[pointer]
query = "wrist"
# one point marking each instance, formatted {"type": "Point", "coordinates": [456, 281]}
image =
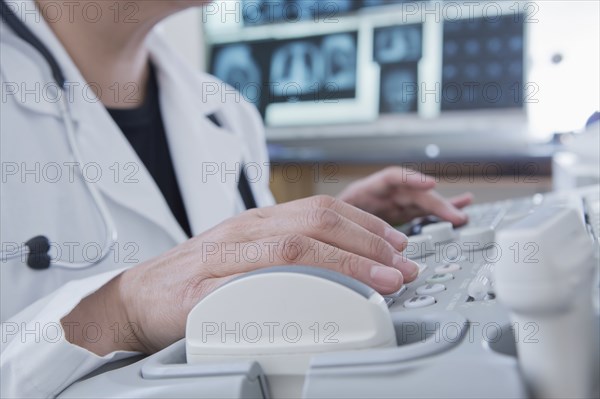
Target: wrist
{"type": "Point", "coordinates": [99, 323]}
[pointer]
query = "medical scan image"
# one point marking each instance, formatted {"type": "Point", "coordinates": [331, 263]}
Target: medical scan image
{"type": "Point", "coordinates": [399, 89]}
{"type": "Point", "coordinates": [259, 12]}
{"type": "Point", "coordinates": [339, 52]}
{"type": "Point", "coordinates": [397, 44]}
{"type": "Point", "coordinates": [486, 51]}
{"type": "Point", "coordinates": [234, 64]}
{"type": "Point", "coordinates": [297, 68]}
{"type": "Point", "coordinates": [314, 68]}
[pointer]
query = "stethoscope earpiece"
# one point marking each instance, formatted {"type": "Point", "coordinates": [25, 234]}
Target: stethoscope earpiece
{"type": "Point", "coordinates": [38, 257]}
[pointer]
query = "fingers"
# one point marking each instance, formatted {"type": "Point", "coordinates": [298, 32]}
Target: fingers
{"type": "Point", "coordinates": [368, 221]}
{"type": "Point", "coordinates": [308, 206]}
{"type": "Point", "coordinates": [295, 249]}
{"type": "Point", "coordinates": [433, 203]}
{"type": "Point", "coordinates": [375, 225]}
{"type": "Point", "coordinates": [396, 176]}
{"type": "Point", "coordinates": [328, 226]}
{"type": "Point", "coordinates": [462, 200]}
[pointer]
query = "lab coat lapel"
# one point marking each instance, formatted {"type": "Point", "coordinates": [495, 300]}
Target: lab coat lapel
{"type": "Point", "coordinates": [206, 157]}
{"type": "Point", "coordinates": [109, 160]}
{"type": "Point", "coordinates": [124, 179]}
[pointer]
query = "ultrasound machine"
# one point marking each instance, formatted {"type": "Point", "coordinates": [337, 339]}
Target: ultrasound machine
{"type": "Point", "coordinates": [504, 307]}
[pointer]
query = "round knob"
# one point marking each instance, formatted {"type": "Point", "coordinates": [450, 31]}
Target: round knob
{"type": "Point", "coordinates": [479, 288]}
{"type": "Point", "coordinates": [476, 238]}
{"type": "Point", "coordinates": [439, 232]}
{"type": "Point", "coordinates": [419, 245]}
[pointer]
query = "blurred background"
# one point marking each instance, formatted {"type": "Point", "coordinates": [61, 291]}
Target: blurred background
{"type": "Point", "coordinates": [493, 97]}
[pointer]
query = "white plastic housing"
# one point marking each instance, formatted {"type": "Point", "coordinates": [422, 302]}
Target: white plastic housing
{"type": "Point", "coordinates": [440, 232]}
{"type": "Point", "coordinates": [280, 319]}
{"type": "Point", "coordinates": [545, 278]}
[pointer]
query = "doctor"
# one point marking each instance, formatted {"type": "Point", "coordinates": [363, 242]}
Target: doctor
{"type": "Point", "coordinates": [148, 165]}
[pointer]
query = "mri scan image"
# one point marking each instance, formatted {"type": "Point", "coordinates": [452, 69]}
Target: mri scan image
{"type": "Point", "coordinates": [339, 53]}
{"type": "Point", "coordinates": [395, 44]}
{"type": "Point", "coordinates": [297, 69]}
{"type": "Point", "coordinates": [234, 64]}
{"type": "Point", "coordinates": [399, 89]}
{"type": "Point", "coordinates": [258, 12]}
{"type": "Point", "coordinates": [485, 54]}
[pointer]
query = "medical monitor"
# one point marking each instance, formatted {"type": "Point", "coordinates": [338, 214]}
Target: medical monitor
{"type": "Point", "coordinates": [393, 67]}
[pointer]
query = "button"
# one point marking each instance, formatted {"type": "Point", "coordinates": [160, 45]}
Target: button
{"type": "Point", "coordinates": [439, 232]}
{"type": "Point", "coordinates": [419, 301]}
{"type": "Point", "coordinates": [479, 288]}
{"type": "Point", "coordinates": [389, 301]}
{"type": "Point", "coordinates": [476, 238]}
{"type": "Point", "coordinates": [419, 245]}
{"type": "Point", "coordinates": [447, 268]}
{"type": "Point", "coordinates": [440, 278]}
{"type": "Point", "coordinates": [428, 289]}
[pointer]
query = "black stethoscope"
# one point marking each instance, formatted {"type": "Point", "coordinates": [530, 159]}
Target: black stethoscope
{"type": "Point", "coordinates": [37, 248]}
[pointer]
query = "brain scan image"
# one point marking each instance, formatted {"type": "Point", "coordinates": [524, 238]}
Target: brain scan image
{"type": "Point", "coordinates": [339, 53]}
{"type": "Point", "coordinates": [234, 65]}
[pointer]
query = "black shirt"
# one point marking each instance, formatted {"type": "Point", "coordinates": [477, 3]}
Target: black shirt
{"type": "Point", "coordinates": [143, 126]}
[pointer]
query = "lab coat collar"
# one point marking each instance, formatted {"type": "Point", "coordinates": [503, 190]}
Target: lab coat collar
{"type": "Point", "coordinates": [207, 157]}
{"type": "Point", "coordinates": [103, 147]}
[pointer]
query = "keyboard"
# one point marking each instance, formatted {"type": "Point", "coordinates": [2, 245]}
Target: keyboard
{"type": "Point", "coordinates": [456, 276]}
{"type": "Point", "coordinates": [455, 339]}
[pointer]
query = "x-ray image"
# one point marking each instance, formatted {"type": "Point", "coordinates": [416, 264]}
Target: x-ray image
{"type": "Point", "coordinates": [235, 65]}
{"type": "Point", "coordinates": [296, 69]}
{"type": "Point", "coordinates": [258, 12]}
{"type": "Point", "coordinates": [294, 10]}
{"type": "Point", "coordinates": [399, 88]}
{"type": "Point", "coordinates": [395, 44]}
{"type": "Point", "coordinates": [339, 52]}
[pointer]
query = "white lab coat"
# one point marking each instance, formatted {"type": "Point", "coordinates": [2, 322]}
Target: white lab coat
{"type": "Point", "coordinates": [36, 360]}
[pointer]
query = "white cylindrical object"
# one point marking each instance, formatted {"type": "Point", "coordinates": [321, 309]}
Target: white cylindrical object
{"type": "Point", "coordinates": [549, 294]}
{"type": "Point", "coordinates": [439, 232]}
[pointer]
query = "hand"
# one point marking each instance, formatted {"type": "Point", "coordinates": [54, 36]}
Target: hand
{"type": "Point", "coordinates": [399, 195]}
{"type": "Point", "coordinates": [155, 297]}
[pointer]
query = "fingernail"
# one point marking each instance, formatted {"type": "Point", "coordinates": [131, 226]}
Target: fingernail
{"type": "Point", "coordinates": [409, 269]}
{"type": "Point", "coordinates": [396, 238]}
{"type": "Point", "coordinates": [386, 278]}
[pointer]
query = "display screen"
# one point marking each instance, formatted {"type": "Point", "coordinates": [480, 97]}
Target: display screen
{"type": "Point", "coordinates": [397, 50]}
{"type": "Point", "coordinates": [483, 63]}
{"type": "Point", "coordinates": [314, 68]}
{"type": "Point", "coordinates": [260, 12]}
